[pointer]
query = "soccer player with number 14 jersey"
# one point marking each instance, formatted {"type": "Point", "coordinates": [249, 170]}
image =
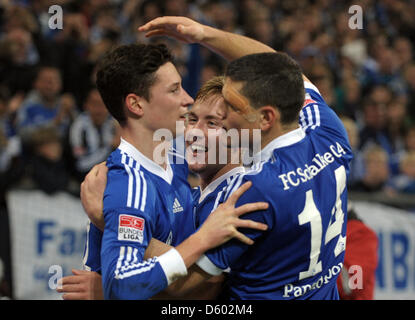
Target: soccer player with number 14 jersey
{"type": "Point", "coordinates": [301, 171]}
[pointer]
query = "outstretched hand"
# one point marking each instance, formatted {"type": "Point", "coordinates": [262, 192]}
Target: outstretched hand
{"type": "Point", "coordinates": [179, 28]}
{"type": "Point", "coordinates": [83, 285]}
{"type": "Point", "coordinates": [222, 224]}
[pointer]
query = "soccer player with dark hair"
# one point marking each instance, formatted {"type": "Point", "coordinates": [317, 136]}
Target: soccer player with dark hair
{"type": "Point", "coordinates": [301, 171]}
{"type": "Point", "coordinates": [142, 89]}
{"type": "Point", "coordinates": [205, 122]}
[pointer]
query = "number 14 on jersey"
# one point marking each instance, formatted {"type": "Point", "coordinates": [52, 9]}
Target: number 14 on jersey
{"type": "Point", "coordinates": [312, 215]}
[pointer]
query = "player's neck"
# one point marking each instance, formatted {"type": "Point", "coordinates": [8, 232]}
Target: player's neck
{"type": "Point", "coordinates": [276, 131]}
{"type": "Point", "coordinates": [143, 141]}
{"type": "Point", "coordinates": [208, 178]}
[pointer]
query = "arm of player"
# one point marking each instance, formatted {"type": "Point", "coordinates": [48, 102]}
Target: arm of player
{"type": "Point", "coordinates": [126, 275]}
{"type": "Point", "coordinates": [87, 285]}
{"type": "Point", "coordinates": [224, 257]}
{"type": "Point", "coordinates": [230, 46]}
{"type": "Point", "coordinates": [92, 194]}
{"type": "Point", "coordinates": [214, 234]}
{"type": "Point", "coordinates": [196, 285]}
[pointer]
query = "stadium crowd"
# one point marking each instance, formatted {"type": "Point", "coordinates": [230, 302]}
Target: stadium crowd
{"type": "Point", "coordinates": [54, 126]}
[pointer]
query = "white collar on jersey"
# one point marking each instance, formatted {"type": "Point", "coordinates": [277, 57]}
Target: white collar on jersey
{"type": "Point", "coordinates": [147, 163]}
{"type": "Point", "coordinates": [309, 85]}
{"type": "Point", "coordinates": [215, 183]}
{"type": "Point", "coordinates": [285, 140]}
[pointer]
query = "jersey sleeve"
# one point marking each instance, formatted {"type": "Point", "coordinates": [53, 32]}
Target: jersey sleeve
{"type": "Point", "coordinates": [317, 115]}
{"type": "Point", "coordinates": [128, 231]}
{"type": "Point", "coordinates": [226, 256]}
{"type": "Point", "coordinates": [126, 275]}
{"type": "Point", "coordinates": [92, 252]}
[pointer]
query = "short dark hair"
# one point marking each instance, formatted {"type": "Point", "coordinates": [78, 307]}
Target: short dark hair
{"type": "Point", "coordinates": [270, 78]}
{"type": "Point", "coordinates": [129, 69]}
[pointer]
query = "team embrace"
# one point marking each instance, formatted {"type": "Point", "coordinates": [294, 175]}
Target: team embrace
{"type": "Point", "coordinates": [274, 230]}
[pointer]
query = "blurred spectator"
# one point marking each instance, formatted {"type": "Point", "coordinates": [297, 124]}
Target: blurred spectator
{"type": "Point", "coordinates": [321, 76]}
{"type": "Point", "coordinates": [18, 59]}
{"type": "Point", "coordinates": [47, 167]}
{"type": "Point", "coordinates": [45, 106]}
{"type": "Point", "coordinates": [410, 139]}
{"type": "Point", "coordinates": [376, 175]}
{"type": "Point", "coordinates": [10, 146]}
{"type": "Point", "coordinates": [357, 279]}
{"type": "Point", "coordinates": [348, 98]}
{"type": "Point", "coordinates": [404, 51]}
{"type": "Point", "coordinates": [357, 163]}
{"type": "Point", "coordinates": [375, 119]}
{"type": "Point", "coordinates": [176, 7]}
{"type": "Point", "coordinates": [93, 135]}
{"type": "Point", "coordinates": [385, 71]}
{"type": "Point", "coordinates": [397, 124]}
{"type": "Point", "coordinates": [405, 181]}
{"type": "Point", "coordinates": [409, 74]}
{"type": "Point", "coordinates": [11, 170]}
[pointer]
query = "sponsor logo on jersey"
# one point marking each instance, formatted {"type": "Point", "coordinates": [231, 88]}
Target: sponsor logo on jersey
{"type": "Point", "coordinates": [131, 228]}
{"type": "Point", "coordinates": [177, 207]}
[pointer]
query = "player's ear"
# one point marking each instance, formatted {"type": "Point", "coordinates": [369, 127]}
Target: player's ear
{"type": "Point", "coordinates": [268, 117]}
{"type": "Point", "coordinates": [134, 105]}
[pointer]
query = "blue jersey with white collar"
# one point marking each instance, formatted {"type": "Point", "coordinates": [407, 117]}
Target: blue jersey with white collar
{"type": "Point", "coordinates": [302, 175]}
{"type": "Point", "coordinates": [140, 202]}
{"type": "Point", "coordinates": [204, 202]}
{"type": "Point", "coordinates": [182, 208]}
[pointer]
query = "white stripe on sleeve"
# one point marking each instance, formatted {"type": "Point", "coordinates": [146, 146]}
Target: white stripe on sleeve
{"type": "Point", "coordinates": [137, 188]}
{"type": "Point", "coordinates": [143, 199]}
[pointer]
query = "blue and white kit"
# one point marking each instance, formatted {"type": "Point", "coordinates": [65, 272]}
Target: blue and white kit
{"type": "Point", "coordinates": [302, 175]}
{"type": "Point", "coordinates": [140, 202]}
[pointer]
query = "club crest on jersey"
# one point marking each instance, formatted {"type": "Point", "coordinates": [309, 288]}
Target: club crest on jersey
{"type": "Point", "coordinates": [131, 228]}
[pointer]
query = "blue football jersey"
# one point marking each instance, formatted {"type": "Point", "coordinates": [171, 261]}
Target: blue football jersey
{"type": "Point", "coordinates": [182, 208]}
{"type": "Point", "coordinates": [139, 203]}
{"type": "Point", "coordinates": [92, 251]}
{"type": "Point", "coordinates": [183, 203]}
{"type": "Point", "coordinates": [204, 202]}
{"type": "Point", "coordinates": [302, 175]}
{"type": "Point", "coordinates": [207, 200]}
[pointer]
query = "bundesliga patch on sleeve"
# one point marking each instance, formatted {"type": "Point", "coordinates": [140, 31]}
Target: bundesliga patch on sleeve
{"type": "Point", "coordinates": [131, 228]}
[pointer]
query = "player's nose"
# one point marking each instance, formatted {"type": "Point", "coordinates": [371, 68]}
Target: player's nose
{"type": "Point", "coordinates": [187, 99]}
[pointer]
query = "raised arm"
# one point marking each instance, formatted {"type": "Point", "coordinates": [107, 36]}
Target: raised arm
{"type": "Point", "coordinates": [230, 46]}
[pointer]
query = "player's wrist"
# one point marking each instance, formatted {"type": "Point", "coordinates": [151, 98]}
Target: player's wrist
{"type": "Point", "coordinates": [209, 35]}
{"type": "Point", "coordinates": [200, 241]}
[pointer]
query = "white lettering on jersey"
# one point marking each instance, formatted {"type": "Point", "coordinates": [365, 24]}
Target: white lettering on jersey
{"type": "Point", "coordinates": [309, 171]}
{"type": "Point", "coordinates": [297, 291]}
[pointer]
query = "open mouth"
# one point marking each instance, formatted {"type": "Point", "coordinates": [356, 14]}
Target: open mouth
{"type": "Point", "coordinates": [198, 148]}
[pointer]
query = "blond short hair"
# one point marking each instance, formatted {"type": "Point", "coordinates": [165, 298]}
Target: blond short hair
{"type": "Point", "coordinates": [210, 88]}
